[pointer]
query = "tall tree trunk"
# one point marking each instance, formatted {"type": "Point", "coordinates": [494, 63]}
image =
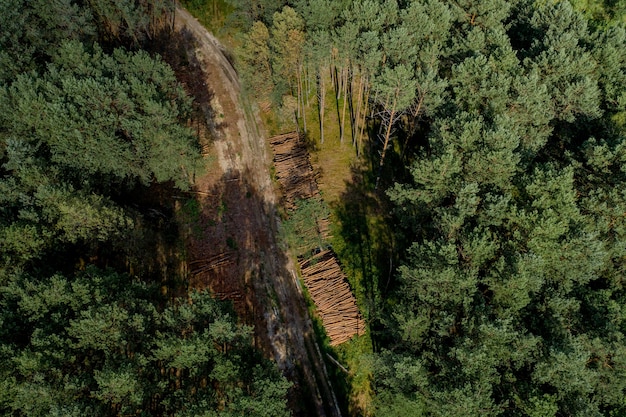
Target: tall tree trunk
{"type": "Point", "coordinates": [392, 115]}
{"type": "Point", "coordinates": [301, 94]}
{"type": "Point", "coordinates": [345, 101]}
{"type": "Point", "coordinates": [298, 92]}
{"type": "Point", "coordinates": [321, 94]}
{"type": "Point", "coordinates": [366, 92]}
{"type": "Point", "coordinates": [339, 84]}
{"type": "Point", "coordinates": [307, 83]}
{"type": "Point", "coordinates": [355, 113]}
{"type": "Point", "coordinates": [336, 96]}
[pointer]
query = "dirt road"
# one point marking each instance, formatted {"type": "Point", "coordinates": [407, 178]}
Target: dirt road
{"type": "Point", "coordinates": [239, 223]}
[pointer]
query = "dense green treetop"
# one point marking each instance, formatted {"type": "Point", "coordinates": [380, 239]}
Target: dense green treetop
{"type": "Point", "coordinates": [93, 136]}
{"type": "Point", "coordinates": [103, 115]}
{"type": "Point", "coordinates": [33, 30]}
{"type": "Point", "coordinates": [91, 126]}
{"type": "Point", "coordinates": [510, 300]}
{"type": "Point", "coordinates": [99, 343]}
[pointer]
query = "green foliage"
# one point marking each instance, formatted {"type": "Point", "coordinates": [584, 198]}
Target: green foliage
{"type": "Point", "coordinates": [97, 343]}
{"type": "Point", "coordinates": [286, 42]}
{"type": "Point", "coordinates": [271, 57]}
{"type": "Point", "coordinates": [247, 12]}
{"type": "Point", "coordinates": [90, 142]}
{"type": "Point", "coordinates": [300, 230]}
{"type": "Point", "coordinates": [494, 312]}
{"type": "Point", "coordinates": [215, 15]}
{"type": "Point", "coordinates": [93, 125]}
{"type": "Point", "coordinates": [602, 12]}
{"type": "Point", "coordinates": [396, 88]}
{"type": "Point", "coordinates": [130, 20]}
{"type": "Point", "coordinates": [116, 116]}
{"type": "Point", "coordinates": [254, 54]}
{"type": "Point", "coordinates": [512, 117]}
{"type": "Point", "coordinates": [32, 30]}
{"type": "Point", "coordinates": [320, 15]}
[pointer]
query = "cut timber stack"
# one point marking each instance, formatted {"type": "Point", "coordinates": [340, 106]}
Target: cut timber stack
{"type": "Point", "coordinates": [214, 263]}
{"type": "Point", "coordinates": [295, 174]}
{"type": "Point", "coordinates": [332, 296]}
{"type": "Point", "coordinates": [294, 171]}
{"type": "Point", "coordinates": [322, 274]}
{"type": "Point", "coordinates": [323, 228]}
{"type": "Point", "coordinates": [214, 267]}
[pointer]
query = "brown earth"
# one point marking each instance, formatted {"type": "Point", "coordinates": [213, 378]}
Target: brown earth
{"type": "Point", "coordinates": [232, 229]}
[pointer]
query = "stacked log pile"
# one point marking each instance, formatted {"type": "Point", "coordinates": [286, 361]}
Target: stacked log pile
{"type": "Point", "coordinates": [294, 171]}
{"type": "Point", "coordinates": [214, 268]}
{"type": "Point", "coordinates": [214, 263]}
{"type": "Point", "coordinates": [332, 296]}
{"type": "Point", "coordinates": [322, 273]}
{"type": "Point", "coordinates": [323, 228]}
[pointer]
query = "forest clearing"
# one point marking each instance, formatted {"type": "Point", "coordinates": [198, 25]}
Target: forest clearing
{"type": "Point", "coordinates": [242, 224]}
{"type": "Point", "coordinates": [321, 272]}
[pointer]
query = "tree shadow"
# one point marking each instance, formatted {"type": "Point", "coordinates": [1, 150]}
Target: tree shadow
{"type": "Point", "coordinates": [371, 242]}
{"type": "Point", "coordinates": [176, 48]}
{"type": "Point", "coordinates": [231, 232]}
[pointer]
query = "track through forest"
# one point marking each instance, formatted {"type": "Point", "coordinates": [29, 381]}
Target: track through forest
{"type": "Point", "coordinates": [239, 217]}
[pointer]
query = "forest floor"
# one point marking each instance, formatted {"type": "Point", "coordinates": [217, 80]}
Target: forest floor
{"type": "Point", "coordinates": [233, 226]}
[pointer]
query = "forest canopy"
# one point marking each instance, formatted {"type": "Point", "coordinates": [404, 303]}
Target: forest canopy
{"type": "Point", "coordinates": [497, 136]}
{"type": "Point", "coordinates": [492, 131]}
{"type": "Point", "coordinates": [94, 140]}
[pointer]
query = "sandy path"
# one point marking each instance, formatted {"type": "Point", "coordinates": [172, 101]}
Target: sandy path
{"type": "Point", "coordinates": [244, 177]}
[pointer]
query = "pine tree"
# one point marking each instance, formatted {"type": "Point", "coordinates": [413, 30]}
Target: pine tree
{"type": "Point", "coordinates": [95, 343]}
{"type": "Point", "coordinates": [254, 54]}
{"type": "Point", "coordinates": [507, 300]}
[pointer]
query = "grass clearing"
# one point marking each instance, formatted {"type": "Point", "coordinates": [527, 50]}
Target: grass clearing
{"type": "Point", "coordinates": [357, 355]}
{"type": "Point", "coordinates": [356, 224]}
{"type": "Point", "coordinates": [332, 158]}
{"type": "Point", "coordinates": [336, 162]}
